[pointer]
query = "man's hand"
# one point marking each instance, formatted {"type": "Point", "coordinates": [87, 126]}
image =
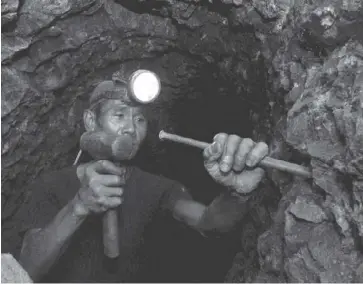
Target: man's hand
{"type": "Point", "coordinates": [101, 187]}
{"type": "Point", "coordinates": [230, 160]}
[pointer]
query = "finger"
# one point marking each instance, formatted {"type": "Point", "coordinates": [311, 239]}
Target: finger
{"type": "Point", "coordinates": [249, 180]}
{"type": "Point", "coordinates": [111, 180]}
{"type": "Point", "coordinates": [107, 167]}
{"type": "Point", "coordinates": [114, 202]}
{"type": "Point", "coordinates": [259, 151]}
{"type": "Point", "coordinates": [244, 148]}
{"type": "Point", "coordinates": [230, 149]}
{"type": "Point", "coordinates": [110, 202]}
{"type": "Point", "coordinates": [104, 191]}
{"type": "Point", "coordinates": [221, 138]}
{"type": "Point", "coordinates": [213, 152]}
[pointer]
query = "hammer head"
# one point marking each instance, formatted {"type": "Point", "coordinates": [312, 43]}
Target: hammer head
{"type": "Point", "coordinates": [105, 146]}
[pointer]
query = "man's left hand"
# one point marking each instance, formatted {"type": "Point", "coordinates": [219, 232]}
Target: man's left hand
{"type": "Point", "coordinates": [231, 161]}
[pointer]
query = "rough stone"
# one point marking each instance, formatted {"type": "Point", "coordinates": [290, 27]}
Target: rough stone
{"type": "Point", "coordinates": [320, 124]}
{"type": "Point", "coordinates": [301, 268]}
{"type": "Point", "coordinates": [14, 89]}
{"type": "Point", "coordinates": [270, 250]}
{"type": "Point", "coordinates": [272, 9]}
{"type": "Point", "coordinates": [328, 252]}
{"type": "Point", "coordinates": [34, 16]}
{"type": "Point", "coordinates": [307, 210]}
{"type": "Point", "coordinates": [296, 234]}
{"type": "Point", "coordinates": [331, 24]}
{"type": "Point", "coordinates": [11, 45]}
{"type": "Point", "coordinates": [9, 10]}
{"type": "Point", "coordinates": [359, 274]}
{"type": "Point", "coordinates": [325, 249]}
{"type": "Point", "coordinates": [11, 270]}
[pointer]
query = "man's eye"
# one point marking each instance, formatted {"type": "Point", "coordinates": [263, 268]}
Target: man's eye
{"type": "Point", "coordinates": [119, 115]}
{"type": "Point", "coordinates": [140, 119]}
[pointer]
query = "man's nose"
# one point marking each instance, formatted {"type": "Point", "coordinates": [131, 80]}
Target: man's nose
{"type": "Point", "coordinates": [128, 127]}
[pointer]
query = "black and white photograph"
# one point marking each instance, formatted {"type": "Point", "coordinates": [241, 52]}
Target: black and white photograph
{"type": "Point", "coordinates": [181, 141]}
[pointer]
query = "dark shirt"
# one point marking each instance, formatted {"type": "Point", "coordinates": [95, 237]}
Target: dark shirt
{"type": "Point", "coordinates": [147, 198]}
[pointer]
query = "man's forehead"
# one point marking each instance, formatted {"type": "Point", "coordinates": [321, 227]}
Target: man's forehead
{"type": "Point", "coordinates": [118, 104]}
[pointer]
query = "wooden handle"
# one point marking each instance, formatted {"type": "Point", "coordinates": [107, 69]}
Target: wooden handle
{"type": "Point", "coordinates": [110, 234]}
{"type": "Point", "coordinates": [266, 162]}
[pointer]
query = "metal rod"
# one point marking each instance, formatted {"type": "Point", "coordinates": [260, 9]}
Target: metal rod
{"type": "Point", "coordinates": [266, 162]}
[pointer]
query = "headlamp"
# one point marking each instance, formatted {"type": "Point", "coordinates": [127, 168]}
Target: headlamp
{"type": "Point", "coordinates": [144, 86]}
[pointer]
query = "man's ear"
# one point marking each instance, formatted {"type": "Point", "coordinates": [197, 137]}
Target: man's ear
{"type": "Point", "coordinates": [89, 120]}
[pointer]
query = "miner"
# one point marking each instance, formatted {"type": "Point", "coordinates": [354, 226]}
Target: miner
{"type": "Point", "coordinates": [60, 224]}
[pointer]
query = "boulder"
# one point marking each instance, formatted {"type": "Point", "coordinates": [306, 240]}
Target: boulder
{"type": "Point", "coordinates": [12, 271]}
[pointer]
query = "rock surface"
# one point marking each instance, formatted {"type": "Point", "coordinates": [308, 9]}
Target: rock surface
{"type": "Point", "coordinates": [11, 270]}
{"type": "Point", "coordinates": [9, 9]}
{"type": "Point", "coordinates": [295, 67]}
{"type": "Point", "coordinates": [316, 70]}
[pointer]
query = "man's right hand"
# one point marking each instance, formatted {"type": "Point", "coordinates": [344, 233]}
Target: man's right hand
{"type": "Point", "coordinates": [101, 186]}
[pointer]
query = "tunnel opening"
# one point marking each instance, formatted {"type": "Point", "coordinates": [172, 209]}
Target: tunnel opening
{"type": "Point", "coordinates": [205, 104]}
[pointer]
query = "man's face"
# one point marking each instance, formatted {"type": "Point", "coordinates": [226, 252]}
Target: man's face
{"type": "Point", "coordinates": [127, 122]}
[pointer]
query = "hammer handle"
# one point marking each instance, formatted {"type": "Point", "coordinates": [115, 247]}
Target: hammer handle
{"type": "Point", "coordinates": [110, 234]}
{"type": "Point", "coordinates": [266, 162]}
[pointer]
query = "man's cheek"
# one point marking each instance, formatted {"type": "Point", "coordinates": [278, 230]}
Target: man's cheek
{"type": "Point", "coordinates": [141, 134]}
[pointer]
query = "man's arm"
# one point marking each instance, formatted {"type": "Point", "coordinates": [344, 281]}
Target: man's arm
{"type": "Point", "coordinates": [225, 160]}
{"type": "Point", "coordinates": [101, 190]}
{"type": "Point", "coordinates": [221, 216]}
{"type": "Point", "coordinates": [42, 247]}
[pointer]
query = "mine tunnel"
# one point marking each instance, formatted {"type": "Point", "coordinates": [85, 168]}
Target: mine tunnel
{"type": "Point", "coordinates": [288, 73]}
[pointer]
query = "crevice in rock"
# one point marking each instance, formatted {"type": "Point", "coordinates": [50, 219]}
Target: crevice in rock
{"type": "Point", "coordinates": [10, 26]}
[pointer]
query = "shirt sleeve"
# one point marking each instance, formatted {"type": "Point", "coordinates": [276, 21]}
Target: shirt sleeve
{"type": "Point", "coordinates": [173, 194]}
{"type": "Point", "coordinates": [38, 208]}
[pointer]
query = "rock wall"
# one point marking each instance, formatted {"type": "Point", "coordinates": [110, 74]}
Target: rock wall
{"type": "Point", "coordinates": [297, 64]}
{"type": "Point", "coordinates": [315, 55]}
{"type": "Point", "coordinates": [316, 69]}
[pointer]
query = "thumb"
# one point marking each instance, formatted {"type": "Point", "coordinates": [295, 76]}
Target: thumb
{"type": "Point", "coordinates": [212, 153]}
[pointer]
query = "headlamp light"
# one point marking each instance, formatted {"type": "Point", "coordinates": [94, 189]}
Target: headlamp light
{"type": "Point", "coordinates": [144, 86]}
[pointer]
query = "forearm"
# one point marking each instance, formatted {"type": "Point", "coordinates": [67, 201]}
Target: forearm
{"type": "Point", "coordinates": [223, 214]}
{"type": "Point", "coordinates": [42, 247]}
